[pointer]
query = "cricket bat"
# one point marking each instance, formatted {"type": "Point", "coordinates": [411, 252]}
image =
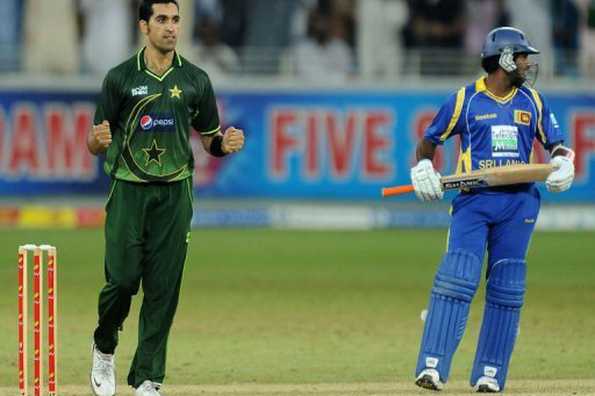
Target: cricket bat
{"type": "Point", "coordinates": [489, 177]}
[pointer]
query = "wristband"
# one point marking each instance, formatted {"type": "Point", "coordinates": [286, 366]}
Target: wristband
{"type": "Point", "coordinates": [216, 147]}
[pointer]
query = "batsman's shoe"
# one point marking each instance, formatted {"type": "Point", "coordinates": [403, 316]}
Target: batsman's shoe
{"type": "Point", "coordinates": [486, 385]}
{"type": "Point", "coordinates": [147, 388]}
{"type": "Point", "coordinates": [429, 379]}
{"type": "Point", "coordinates": [103, 374]}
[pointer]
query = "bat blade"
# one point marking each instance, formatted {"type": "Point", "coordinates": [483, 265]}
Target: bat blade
{"type": "Point", "coordinates": [490, 177]}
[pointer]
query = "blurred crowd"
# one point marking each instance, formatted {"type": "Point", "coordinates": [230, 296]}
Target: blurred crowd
{"type": "Point", "coordinates": [326, 40]}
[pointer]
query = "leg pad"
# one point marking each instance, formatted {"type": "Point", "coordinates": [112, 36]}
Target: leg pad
{"type": "Point", "coordinates": [455, 285]}
{"type": "Point", "coordinates": [504, 298]}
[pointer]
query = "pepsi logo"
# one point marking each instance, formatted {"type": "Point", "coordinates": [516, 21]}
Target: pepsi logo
{"type": "Point", "coordinates": [146, 122]}
{"type": "Point", "coordinates": [157, 123]}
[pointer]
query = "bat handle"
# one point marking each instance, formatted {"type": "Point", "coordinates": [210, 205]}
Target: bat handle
{"type": "Point", "coordinates": [397, 190]}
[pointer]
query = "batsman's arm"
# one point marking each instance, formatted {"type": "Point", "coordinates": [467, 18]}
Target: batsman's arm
{"type": "Point", "coordinates": [561, 150]}
{"type": "Point", "coordinates": [425, 150]}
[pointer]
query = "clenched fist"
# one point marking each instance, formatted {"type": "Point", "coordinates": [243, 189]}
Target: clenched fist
{"type": "Point", "coordinates": [233, 140]}
{"type": "Point", "coordinates": [100, 138]}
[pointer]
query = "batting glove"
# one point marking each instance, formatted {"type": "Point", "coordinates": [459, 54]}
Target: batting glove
{"type": "Point", "coordinates": [560, 179]}
{"type": "Point", "coordinates": [426, 181]}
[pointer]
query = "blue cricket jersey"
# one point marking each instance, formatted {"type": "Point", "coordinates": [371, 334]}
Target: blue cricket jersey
{"type": "Point", "coordinates": [495, 131]}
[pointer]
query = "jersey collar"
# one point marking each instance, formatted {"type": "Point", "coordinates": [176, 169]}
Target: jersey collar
{"type": "Point", "coordinates": [142, 67]}
{"type": "Point", "coordinates": [480, 86]}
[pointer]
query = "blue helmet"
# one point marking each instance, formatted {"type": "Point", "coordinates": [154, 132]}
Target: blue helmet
{"type": "Point", "coordinates": [506, 37]}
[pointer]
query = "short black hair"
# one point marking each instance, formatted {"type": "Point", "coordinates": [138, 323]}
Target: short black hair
{"type": "Point", "coordinates": [145, 9]}
{"type": "Point", "coordinates": [490, 64]}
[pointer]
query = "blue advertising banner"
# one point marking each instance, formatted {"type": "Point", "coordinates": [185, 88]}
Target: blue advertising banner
{"type": "Point", "coordinates": [342, 145]}
{"type": "Point", "coordinates": [43, 144]}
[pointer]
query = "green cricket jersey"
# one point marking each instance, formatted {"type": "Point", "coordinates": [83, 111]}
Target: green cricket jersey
{"type": "Point", "coordinates": [151, 118]}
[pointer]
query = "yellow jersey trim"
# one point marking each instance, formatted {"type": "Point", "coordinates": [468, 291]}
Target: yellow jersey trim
{"type": "Point", "coordinates": [189, 188]}
{"type": "Point", "coordinates": [455, 115]}
{"type": "Point", "coordinates": [464, 161]}
{"type": "Point", "coordinates": [138, 59]}
{"type": "Point", "coordinates": [159, 78]}
{"type": "Point", "coordinates": [140, 64]}
{"type": "Point", "coordinates": [480, 86]}
{"type": "Point", "coordinates": [539, 105]}
{"type": "Point", "coordinates": [111, 192]}
{"type": "Point", "coordinates": [211, 131]}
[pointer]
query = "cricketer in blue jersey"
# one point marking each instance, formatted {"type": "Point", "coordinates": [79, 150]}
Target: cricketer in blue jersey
{"type": "Point", "coordinates": [497, 118]}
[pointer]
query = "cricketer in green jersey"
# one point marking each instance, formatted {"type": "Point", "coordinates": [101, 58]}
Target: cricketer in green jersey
{"type": "Point", "coordinates": [146, 111]}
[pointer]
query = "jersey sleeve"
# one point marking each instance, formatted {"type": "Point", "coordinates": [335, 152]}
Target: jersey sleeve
{"type": "Point", "coordinates": [205, 119]}
{"type": "Point", "coordinates": [109, 101]}
{"type": "Point", "coordinates": [448, 121]}
{"type": "Point", "coordinates": [548, 129]}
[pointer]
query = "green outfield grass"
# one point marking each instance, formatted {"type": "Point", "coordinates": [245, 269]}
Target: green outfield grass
{"type": "Point", "coordinates": [287, 307]}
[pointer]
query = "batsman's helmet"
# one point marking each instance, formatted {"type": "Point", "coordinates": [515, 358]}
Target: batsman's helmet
{"type": "Point", "coordinates": [506, 37]}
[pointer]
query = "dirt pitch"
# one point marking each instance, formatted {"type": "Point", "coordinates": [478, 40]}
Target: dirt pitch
{"type": "Point", "coordinates": [518, 387]}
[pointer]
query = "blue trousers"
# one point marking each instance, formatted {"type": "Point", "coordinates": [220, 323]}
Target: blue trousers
{"type": "Point", "coordinates": [499, 222]}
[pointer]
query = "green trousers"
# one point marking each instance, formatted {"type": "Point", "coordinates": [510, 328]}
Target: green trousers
{"type": "Point", "coordinates": [146, 235]}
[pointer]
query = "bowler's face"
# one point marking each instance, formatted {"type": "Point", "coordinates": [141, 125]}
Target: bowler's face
{"type": "Point", "coordinates": [162, 29]}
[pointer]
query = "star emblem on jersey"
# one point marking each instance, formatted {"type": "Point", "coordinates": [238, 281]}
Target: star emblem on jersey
{"type": "Point", "coordinates": [154, 153]}
{"type": "Point", "coordinates": [175, 92]}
